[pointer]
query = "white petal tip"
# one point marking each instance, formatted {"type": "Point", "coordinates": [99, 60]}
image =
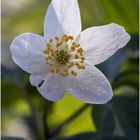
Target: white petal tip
{"type": "Point", "coordinates": [126, 36]}
{"type": "Point", "coordinates": [103, 100]}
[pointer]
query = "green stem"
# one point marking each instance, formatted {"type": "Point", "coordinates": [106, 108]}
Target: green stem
{"type": "Point", "coordinates": [71, 118]}
{"type": "Point", "coordinates": [31, 107]}
{"type": "Point", "coordinates": [46, 127]}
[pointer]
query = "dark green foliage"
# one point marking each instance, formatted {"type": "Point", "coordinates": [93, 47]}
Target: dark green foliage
{"type": "Point", "coordinates": [122, 109]}
{"type": "Point", "coordinates": [82, 136]}
{"type": "Point", "coordinates": [11, 138]}
{"type": "Point", "coordinates": [118, 11]}
{"type": "Point", "coordinates": [103, 118]}
{"type": "Point", "coordinates": [91, 136]}
{"type": "Point", "coordinates": [127, 111]}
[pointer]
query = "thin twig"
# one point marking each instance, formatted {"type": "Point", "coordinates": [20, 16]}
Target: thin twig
{"type": "Point", "coordinates": [71, 118]}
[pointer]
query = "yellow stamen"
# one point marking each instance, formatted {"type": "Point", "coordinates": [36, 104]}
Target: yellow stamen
{"type": "Point", "coordinates": [73, 73]}
{"type": "Point", "coordinates": [59, 57]}
{"type": "Point", "coordinates": [76, 56]}
{"type": "Point", "coordinates": [46, 51]}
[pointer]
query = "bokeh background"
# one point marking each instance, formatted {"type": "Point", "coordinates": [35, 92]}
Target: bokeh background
{"type": "Point", "coordinates": [26, 115]}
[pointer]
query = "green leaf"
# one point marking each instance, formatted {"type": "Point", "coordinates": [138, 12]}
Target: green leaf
{"type": "Point", "coordinates": [127, 78]}
{"type": "Point", "coordinates": [11, 138]}
{"type": "Point", "coordinates": [126, 110]}
{"type": "Point", "coordinates": [103, 118]}
{"type": "Point", "coordinates": [35, 126]}
{"type": "Point", "coordinates": [81, 136]}
{"type": "Point", "coordinates": [99, 12]}
{"type": "Point", "coordinates": [111, 69]}
{"type": "Point", "coordinates": [9, 88]}
{"type": "Point", "coordinates": [15, 74]}
{"type": "Point", "coordinates": [128, 75]}
{"type": "Point", "coordinates": [111, 137]}
{"type": "Point", "coordinates": [90, 136]}
{"type": "Point", "coordinates": [126, 59]}
{"type": "Point", "coordinates": [123, 12]}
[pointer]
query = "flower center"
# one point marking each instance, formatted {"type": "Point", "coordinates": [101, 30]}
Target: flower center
{"type": "Point", "coordinates": [64, 56]}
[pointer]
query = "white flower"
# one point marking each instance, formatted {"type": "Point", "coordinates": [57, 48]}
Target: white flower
{"type": "Point", "coordinates": [63, 60]}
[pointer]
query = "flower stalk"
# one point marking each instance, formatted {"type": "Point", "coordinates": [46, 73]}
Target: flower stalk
{"type": "Point", "coordinates": [71, 118]}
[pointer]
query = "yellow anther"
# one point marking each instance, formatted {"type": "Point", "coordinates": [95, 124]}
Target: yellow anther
{"type": "Point", "coordinates": [57, 38]}
{"type": "Point", "coordinates": [71, 64]}
{"type": "Point", "coordinates": [63, 74]}
{"type": "Point", "coordinates": [66, 74]}
{"type": "Point", "coordinates": [51, 65]}
{"type": "Point", "coordinates": [46, 51]}
{"type": "Point", "coordinates": [51, 40]}
{"type": "Point", "coordinates": [76, 56]}
{"type": "Point", "coordinates": [60, 73]}
{"type": "Point", "coordinates": [73, 73]}
{"type": "Point", "coordinates": [82, 58]}
{"type": "Point", "coordinates": [73, 43]}
{"type": "Point", "coordinates": [73, 48]}
{"type": "Point", "coordinates": [65, 69]}
{"type": "Point", "coordinates": [59, 57]}
{"type": "Point", "coordinates": [53, 55]}
{"type": "Point", "coordinates": [52, 50]}
{"type": "Point", "coordinates": [65, 35]}
{"type": "Point", "coordinates": [71, 37]}
{"type": "Point", "coordinates": [82, 61]}
{"type": "Point", "coordinates": [57, 69]}
{"type": "Point", "coordinates": [82, 67]}
{"type": "Point", "coordinates": [78, 45]}
{"type": "Point", "coordinates": [57, 66]}
{"type": "Point", "coordinates": [77, 64]}
{"type": "Point", "coordinates": [58, 44]}
{"type": "Point", "coordinates": [66, 47]}
{"type": "Point", "coordinates": [81, 54]}
{"type": "Point", "coordinates": [66, 38]}
{"type": "Point", "coordinates": [80, 50]}
{"type": "Point", "coordinates": [49, 45]}
{"type": "Point", "coordinates": [52, 70]}
{"type": "Point", "coordinates": [49, 57]}
{"type": "Point", "coordinates": [63, 38]}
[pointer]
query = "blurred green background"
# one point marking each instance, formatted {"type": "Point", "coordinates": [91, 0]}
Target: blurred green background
{"type": "Point", "coordinates": [25, 114]}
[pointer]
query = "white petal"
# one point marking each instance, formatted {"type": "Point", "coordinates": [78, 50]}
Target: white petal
{"type": "Point", "coordinates": [90, 85]}
{"type": "Point", "coordinates": [36, 80]}
{"type": "Point", "coordinates": [102, 42]}
{"type": "Point", "coordinates": [62, 17]}
{"type": "Point", "coordinates": [53, 87]}
{"type": "Point", "coordinates": [27, 53]}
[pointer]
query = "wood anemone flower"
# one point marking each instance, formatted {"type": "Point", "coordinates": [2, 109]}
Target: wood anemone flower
{"type": "Point", "coordinates": [64, 58]}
